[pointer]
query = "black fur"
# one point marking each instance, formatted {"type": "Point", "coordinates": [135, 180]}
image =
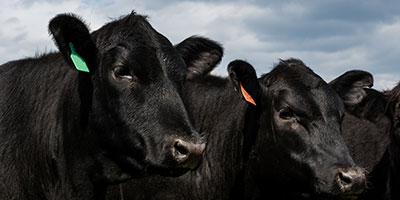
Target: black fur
{"type": "Point", "coordinates": [394, 147]}
{"type": "Point", "coordinates": [243, 75]}
{"type": "Point", "coordinates": [372, 135]}
{"type": "Point", "coordinates": [250, 153]}
{"type": "Point", "coordinates": [350, 86]}
{"type": "Point", "coordinates": [200, 54]}
{"type": "Point", "coordinates": [366, 131]}
{"type": "Point", "coordinates": [66, 134]}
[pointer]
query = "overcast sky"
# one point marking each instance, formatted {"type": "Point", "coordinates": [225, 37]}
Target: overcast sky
{"type": "Point", "coordinates": [331, 37]}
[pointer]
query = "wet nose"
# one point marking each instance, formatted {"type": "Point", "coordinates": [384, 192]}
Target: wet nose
{"type": "Point", "coordinates": [351, 180]}
{"type": "Point", "coordinates": [187, 154]}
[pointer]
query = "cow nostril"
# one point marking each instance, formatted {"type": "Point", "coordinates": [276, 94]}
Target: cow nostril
{"type": "Point", "coordinates": [180, 148]}
{"type": "Point", "coordinates": [346, 180]}
{"type": "Point", "coordinates": [351, 181]}
{"type": "Point", "coordinates": [187, 154]}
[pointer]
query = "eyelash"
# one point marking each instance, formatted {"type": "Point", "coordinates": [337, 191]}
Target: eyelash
{"type": "Point", "coordinates": [122, 73]}
{"type": "Point", "coordinates": [286, 113]}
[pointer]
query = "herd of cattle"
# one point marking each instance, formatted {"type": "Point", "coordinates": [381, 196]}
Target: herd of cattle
{"type": "Point", "coordinates": [146, 120]}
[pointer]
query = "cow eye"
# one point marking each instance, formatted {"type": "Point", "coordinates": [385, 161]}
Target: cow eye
{"type": "Point", "coordinates": [122, 72]}
{"type": "Point", "coordinates": [286, 113]}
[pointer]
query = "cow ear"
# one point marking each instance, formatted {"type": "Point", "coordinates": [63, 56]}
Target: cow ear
{"type": "Point", "coordinates": [350, 86]}
{"type": "Point", "coordinates": [200, 54]}
{"type": "Point", "coordinates": [244, 79]}
{"type": "Point", "coordinates": [73, 40]}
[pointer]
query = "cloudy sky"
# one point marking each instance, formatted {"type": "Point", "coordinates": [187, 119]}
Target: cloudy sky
{"type": "Point", "coordinates": [331, 37]}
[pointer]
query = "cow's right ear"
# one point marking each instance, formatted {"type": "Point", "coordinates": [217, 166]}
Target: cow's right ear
{"type": "Point", "coordinates": [350, 87]}
{"type": "Point", "coordinates": [244, 79]}
{"type": "Point", "coordinates": [200, 54]}
{"type": "Point", "coordinates": [73, 39]}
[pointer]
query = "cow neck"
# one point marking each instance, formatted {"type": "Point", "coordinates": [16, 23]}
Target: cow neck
{"type": "Point", "coordinates": [250, 131]}
{"type": "Point", "coordinates": [218, 111]}
{"type": "Point", "coordinates": [77, 143]}
{"type": "Point", "coordinates": [77, 139]}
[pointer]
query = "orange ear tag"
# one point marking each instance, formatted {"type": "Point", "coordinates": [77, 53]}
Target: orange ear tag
{"type": "Point", "coordinates": [246, 95]}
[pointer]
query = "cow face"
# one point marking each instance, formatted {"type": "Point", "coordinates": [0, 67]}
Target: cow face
{"type": "Point", "coordinates": [299, 142]}
{"type": "Point", "coordinates": [130, 104]}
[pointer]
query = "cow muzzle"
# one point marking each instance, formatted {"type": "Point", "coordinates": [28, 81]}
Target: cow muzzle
{"type": "Point", "coordinates": [351, 181]}
{"type": "Point", "coordinates": [186, 154]}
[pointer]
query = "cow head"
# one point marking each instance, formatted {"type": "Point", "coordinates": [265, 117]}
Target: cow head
{"type": "Point", "coordinates": [299, 140]}
{"type": "Point", "coordinates": [129, 100]}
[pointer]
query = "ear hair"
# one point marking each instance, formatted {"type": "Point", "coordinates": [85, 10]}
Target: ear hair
{"type": "Point", "coordinates": [350, 86]}
{"type": "Point", "coordinates": [244, 79]}
{"type": "Point", "coordinates": [200, 54]}
{"type": "Point", "coordinates": [67, 29]}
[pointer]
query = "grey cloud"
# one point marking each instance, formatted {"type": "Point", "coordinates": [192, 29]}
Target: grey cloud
{"type": "Point", "coordinates": [344, 28]}
{"type": "Point", "coordinates": [11, 20]}
{"type": "Point", "coordinates": [19, 37]}
{"type": "Point", "coordinates": [330, 36]}
{"type": "Point", "coordinates": [29, 3]}
{"type": "Point", "coordinates": [355, 11]}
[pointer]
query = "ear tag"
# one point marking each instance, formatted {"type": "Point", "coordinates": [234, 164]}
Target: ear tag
{"type": "Point", "coordinates": [78, 61]}
{"type": "Point", "coordinates": [246, 95]}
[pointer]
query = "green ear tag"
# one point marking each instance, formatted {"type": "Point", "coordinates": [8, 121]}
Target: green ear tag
{"type": "Point", "coordinates": [78, 61]}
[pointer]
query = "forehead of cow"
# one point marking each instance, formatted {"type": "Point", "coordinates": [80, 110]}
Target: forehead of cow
{"type": "Point", "coordinates": [132, 30]}
{"type": "Point", "coordinates": [292, 73]}
{"type": "Point", "coordinates": [140, 40]}
{"type": "Point", "coordinates": [292, 81]}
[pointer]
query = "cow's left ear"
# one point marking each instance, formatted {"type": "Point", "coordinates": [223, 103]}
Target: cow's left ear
{"type": "Point", "coordinates": [200, 54]}
{"type": "Point", "coordinates": [350, 86]}
{"type": "Point", "coordinates": [73, 39]}
{"type": "Point", "coordinates": [244, 79]}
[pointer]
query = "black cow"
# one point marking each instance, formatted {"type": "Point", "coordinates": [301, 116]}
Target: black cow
{"type": "Point", "coordinates": [283, 143]}
{"type": "Point", "coordinates": [372, 132]}
{"type": "Point", "coordinates": [66, 134]}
